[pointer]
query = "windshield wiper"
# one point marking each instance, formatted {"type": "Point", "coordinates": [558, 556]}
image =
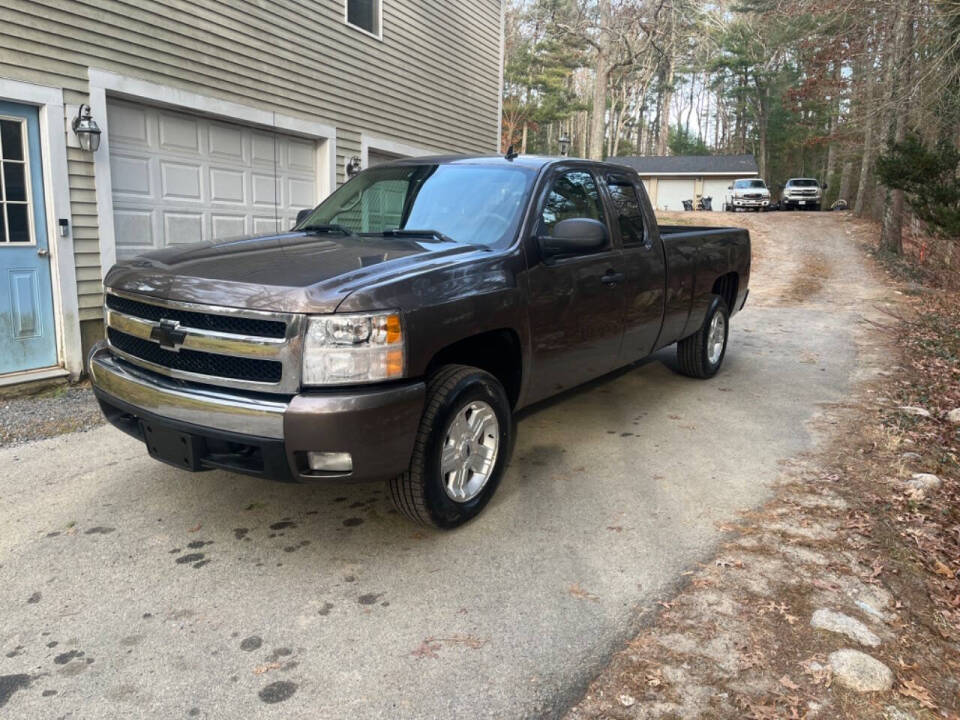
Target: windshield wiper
{"type": "Point", "coordinates": [435, 234]}
{"type": "Point", "coordinates": [326, 229]}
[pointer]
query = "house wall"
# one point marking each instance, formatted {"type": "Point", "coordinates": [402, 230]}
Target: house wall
{"type": "Point", "coordinates": [432, 82]}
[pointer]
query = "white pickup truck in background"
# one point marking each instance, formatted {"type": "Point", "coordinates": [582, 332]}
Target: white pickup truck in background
{"type": "Point", "coordinates": [803, 193]}
{"type": "Point", "coordinates": [747, 194]}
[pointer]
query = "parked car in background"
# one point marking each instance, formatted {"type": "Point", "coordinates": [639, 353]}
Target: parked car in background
{"type": "Point", "coordinates": [747, 194]}
{"type": "Point", "coordinates": [802, 193]}
{"type": "Point", "coordinates": [394, 331]}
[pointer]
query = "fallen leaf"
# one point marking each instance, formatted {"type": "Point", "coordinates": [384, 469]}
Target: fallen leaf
{"type": "Point", "coordinates": [195, 528]}
{"type": "Point", "coordinates": [427, 649]}
{"type": "Point", "coordinates": [941, 569]}
{"type": "Point", "coordinates": [615, 528]}
{"type": "Point", "coordinates": [579, 592]}
{"type": "Point", "coordinates": [788, 683]}
{"type": "Point", "coordinates": [919, 693]}
{"type": "Point", "coordinates": [261, 669]}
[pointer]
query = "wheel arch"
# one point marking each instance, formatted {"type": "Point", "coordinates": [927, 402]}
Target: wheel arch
{"type": "Point", "coordinates": [727, 286]}
{"type": "Point", "coordinates": [498, 352]}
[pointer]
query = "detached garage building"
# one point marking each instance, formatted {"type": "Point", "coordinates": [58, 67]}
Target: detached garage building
{"type": "Point", "coordinates": [217, 119]}
{"type": "Point", "coordinates": [672, 179]}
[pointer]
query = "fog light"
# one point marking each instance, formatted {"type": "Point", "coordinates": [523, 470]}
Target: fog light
{"type": "Point", "coordinates": [330, 462]}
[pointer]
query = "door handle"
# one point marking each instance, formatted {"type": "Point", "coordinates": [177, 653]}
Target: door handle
{"type": "Point", "coordinates": [42, 252]}
{"type": "Point", "coordinates": [611, 278]}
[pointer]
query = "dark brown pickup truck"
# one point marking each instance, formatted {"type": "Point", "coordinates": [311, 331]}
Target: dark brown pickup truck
{"type": "Point", "coordinates": [394, 332]}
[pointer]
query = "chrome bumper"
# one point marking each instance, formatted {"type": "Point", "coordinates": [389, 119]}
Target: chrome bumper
{"type": "Point", "coordinates": [215, 409]}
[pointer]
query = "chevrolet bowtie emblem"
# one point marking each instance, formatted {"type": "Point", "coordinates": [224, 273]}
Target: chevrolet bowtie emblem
{"type": "Point", "coordinates": [168, 334]}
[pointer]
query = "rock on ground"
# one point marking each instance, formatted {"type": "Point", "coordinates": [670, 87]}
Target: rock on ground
{"type": "Point", "coordinates": [918, 412]}
{"type": "Point", "coordinates": [954, 416]}
{"type": "Point", "coordinates": [924, 481]}
{"type": "Point", "coordinates": [852, 628]}
{"type": "Point", "coordinates": [858, 671]}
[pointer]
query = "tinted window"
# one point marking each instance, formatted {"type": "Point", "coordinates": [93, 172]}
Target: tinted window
{"type": "Point", "coordinates": [802, 182]}
{"type": "Point", "coordinates": [629, 213]}
{"type": "Point", "coordinates": [365, 14]}
{"type": "Point", "coordinates": [469, 203]}
{"type": "Point", "coordinates": [573, 195]}
{"type": "Point", "coordinates": [746, 184]}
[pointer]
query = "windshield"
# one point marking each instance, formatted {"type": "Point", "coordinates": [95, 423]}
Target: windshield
{"type": "Point", "coordinates": [749, 184]}
{"type": "Point", "coordinates": [802, 182]}
{"type": "Point", "coordinates": [469, 204]}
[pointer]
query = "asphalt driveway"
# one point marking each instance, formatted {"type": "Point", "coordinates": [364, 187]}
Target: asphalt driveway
{"type": "Point", "coordinates": [130, 589]}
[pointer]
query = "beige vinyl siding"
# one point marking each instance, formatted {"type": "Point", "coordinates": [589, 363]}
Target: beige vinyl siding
{"type": "Point", "coordinates": [433, 81]}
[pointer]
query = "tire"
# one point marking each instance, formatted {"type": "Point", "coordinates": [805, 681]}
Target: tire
{"type": "Point", "coordinates": [694, 352]}
{"type": "Point", "coordinates": [816, 208]}
{"type": "Point", "coordinates": [421, 492]}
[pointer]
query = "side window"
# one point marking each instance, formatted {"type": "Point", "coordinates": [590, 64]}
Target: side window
{"type": "Point", "coordinates": [573, 195]}
{"type": "Point", "coordinates": [365, 15]}
{"type": "Point", "coordinates": [629, 212]}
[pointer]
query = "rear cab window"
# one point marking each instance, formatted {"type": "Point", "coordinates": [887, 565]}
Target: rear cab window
{"type": "Point", "coordinates": [628, 210]}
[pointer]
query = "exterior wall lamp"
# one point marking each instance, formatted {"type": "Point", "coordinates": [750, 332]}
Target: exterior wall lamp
{"type": "Point", "coordinates": [353, 167]}
{"type": "Point", "coordinates": [564, 145]}
{"type": "Point", "coordinates": [86, 129]}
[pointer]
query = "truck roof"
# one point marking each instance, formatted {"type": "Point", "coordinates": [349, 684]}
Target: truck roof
{"type": "Point", "coordinates": [534, 162]}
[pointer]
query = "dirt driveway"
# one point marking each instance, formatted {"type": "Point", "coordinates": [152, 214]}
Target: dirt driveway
{"type": "Point", "coordinates": [133, 590]}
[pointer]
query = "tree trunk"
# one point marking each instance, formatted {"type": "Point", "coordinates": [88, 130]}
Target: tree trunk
{"type": "Point", "coordinates": [598, 119]}
{"type": "Point", "coordinates": [846, 175]}
{"type": "Point", "coordinates": [762, 123]}
{"type": "Point", "coordinates": [834, 121]}
{"type": "Point", "coordinates": [523, 139]}
{"type": "Point", "coordinates": [892, 234]}
{"type": "Point", "coordinates": [663, 138]}
{"type": "Point", "coordinates": [866, 164]}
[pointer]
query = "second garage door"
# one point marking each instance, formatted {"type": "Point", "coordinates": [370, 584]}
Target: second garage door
{"type": "Point", "coordinates": [672, 192]}
{"type": "Point", "coordinates": [180, 178]}
{"type": "Point", "coordinates": [716, 189]}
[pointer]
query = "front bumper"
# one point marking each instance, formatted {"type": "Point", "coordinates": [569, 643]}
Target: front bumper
{"type": "Point", "coordinates": [264, 435]}
{"type": "Point", "coordinates": [751, 202]}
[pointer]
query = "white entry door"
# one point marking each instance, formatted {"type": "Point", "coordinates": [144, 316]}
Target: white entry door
{"type": "Point", "coordinates": [181, 178]}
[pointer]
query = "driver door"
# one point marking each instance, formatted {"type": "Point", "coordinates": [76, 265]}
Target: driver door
{"type": "Point", "coordinates": [576, 303]}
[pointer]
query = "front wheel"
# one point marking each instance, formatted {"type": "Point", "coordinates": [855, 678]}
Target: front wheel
{"type": "Point", "coordinates": [701, 354]}
{"type": "Point", "coordinates": [461, 450]}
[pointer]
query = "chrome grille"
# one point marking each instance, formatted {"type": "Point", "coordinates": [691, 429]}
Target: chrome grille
{"type": "Point", "coordinates": [228, 347]}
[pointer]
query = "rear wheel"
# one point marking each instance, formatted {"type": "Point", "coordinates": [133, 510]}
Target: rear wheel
{"type": "Point", "coordinates": [701, 354]}
{"type": "Point", "coordinates": [461, 450]}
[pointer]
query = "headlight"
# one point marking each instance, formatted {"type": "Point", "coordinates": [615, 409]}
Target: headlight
{"type": "Point", "coordinates": [353, 348]}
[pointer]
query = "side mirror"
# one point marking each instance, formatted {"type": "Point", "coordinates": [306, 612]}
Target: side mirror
{"type": "Point", "coordinates": [729, 187]}
{"type": "Point", "coordinates": [302, 215]}
{"type": "Point", "coordinates": [573, 237]}
{"type": "Point", "coordinates": [824, 186]}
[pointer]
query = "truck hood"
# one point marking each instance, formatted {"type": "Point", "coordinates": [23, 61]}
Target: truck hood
{"type": "Point", "coordinates": [288, 272]}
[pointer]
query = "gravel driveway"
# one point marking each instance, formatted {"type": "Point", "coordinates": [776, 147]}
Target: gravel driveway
{"type": "Point", "coordinates": [131, 589]}
{"type": "Point", "coordinates": [54, 412]}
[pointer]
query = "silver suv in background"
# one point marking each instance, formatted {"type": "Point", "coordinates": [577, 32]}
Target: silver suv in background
{"type": "Point", "coordinates": [747, 194]}
{"type": "Point", "coordinates": [803, 193]}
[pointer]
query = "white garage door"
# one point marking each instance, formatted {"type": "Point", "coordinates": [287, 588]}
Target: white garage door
{"type": "Point", "coordinates": [378, 157]}
{"type": "Point", "coordinates": [717, 189]}
{"type": "Point", "coordinates": [180, 178]}
{"type": "Point", "coordinates": [672, 192]}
